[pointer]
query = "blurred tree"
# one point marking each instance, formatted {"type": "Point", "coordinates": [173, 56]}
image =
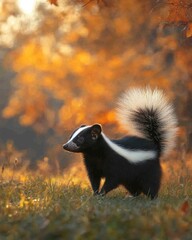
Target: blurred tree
{"type": "Point", "coordinates": [73, 62]}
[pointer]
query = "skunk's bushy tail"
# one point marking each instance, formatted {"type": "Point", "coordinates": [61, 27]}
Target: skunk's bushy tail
{"type": "Point", "coordinates": [149, 114]}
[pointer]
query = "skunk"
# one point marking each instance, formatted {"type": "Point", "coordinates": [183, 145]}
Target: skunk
{"type": "Point", "coordinates": [133, 161]}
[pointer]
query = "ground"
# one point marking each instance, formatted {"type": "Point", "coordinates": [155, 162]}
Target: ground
{"type": "Point", "coordinates": [48, 208]}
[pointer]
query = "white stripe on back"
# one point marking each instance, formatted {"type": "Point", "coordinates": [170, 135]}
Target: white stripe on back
{"type": "Point", "coordinates": [133, 156]}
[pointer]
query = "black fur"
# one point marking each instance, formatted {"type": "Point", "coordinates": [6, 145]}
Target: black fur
{"type": "Point", "coordinates": [148, 123]}
{"type": "Point", "coordinates": [103, 162]}
{"type": "Point", "coordinates": [133, 162]}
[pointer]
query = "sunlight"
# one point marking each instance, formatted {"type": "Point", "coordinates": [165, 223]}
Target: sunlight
{"type": "Point", "coordinates": [27, 7]}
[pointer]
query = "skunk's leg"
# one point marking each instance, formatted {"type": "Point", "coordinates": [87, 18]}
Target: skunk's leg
{"type": "Point", "coordinates": [108, 185]}
{"type": "Point", "coordinates": [133, 189]}
{"type": "Point", "coordinates": [151, 190]}
{"type": "Point", "coordinates": [95, 182]}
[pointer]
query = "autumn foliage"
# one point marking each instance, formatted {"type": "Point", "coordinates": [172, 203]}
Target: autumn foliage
{"type": "Point", "coordinates": [64, 63]}
{"type": "Point", "coordinates": [76, 59]}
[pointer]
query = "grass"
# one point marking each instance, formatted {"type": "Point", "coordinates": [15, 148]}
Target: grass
{"type": "Point", "coordinates": [40, 208]}
{"type": "Point", "coordinates": [62, 207]}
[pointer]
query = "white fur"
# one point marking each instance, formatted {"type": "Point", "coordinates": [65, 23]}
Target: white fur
{"type": "Point", "coordinates": [136, 99]}
{"type": "Point", "coordinates": [133, 156]}
{"type": "Point", "coordinates": [76, 133]}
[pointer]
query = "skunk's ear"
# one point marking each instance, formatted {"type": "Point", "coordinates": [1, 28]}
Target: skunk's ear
{"type": "Point", "coordinates": [96, 131]}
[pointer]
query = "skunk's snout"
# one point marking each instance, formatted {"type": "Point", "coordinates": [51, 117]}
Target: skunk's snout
{"type": "Point", "coordinates": [65, 146]}
{"type": "Point", "coordinates": [70, 146]}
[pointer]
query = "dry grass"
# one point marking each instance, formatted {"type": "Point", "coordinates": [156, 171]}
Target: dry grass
{"type": "Point", "coordinates": [36, 205]}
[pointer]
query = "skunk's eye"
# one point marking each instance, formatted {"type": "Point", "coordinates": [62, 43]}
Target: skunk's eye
{"type": "Point", "coordinates": [80, 140]}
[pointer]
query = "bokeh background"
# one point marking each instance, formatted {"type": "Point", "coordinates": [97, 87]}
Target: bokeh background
{"type": "Point", "coordinates": [65, 63]}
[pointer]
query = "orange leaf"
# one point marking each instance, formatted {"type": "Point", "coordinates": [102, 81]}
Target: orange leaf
{"type": "Point", "coordinates": [54, 2]}
{"type": "Point", "coordinates": [185, 207]}
{"type": "Point", "coordinates": [189, 30]}
{"type": "Point", "coordinates": [177, 11]}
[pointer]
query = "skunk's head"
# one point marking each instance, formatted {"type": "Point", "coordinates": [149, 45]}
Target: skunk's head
{"type": "Point", "coordinates": [83, 138]}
